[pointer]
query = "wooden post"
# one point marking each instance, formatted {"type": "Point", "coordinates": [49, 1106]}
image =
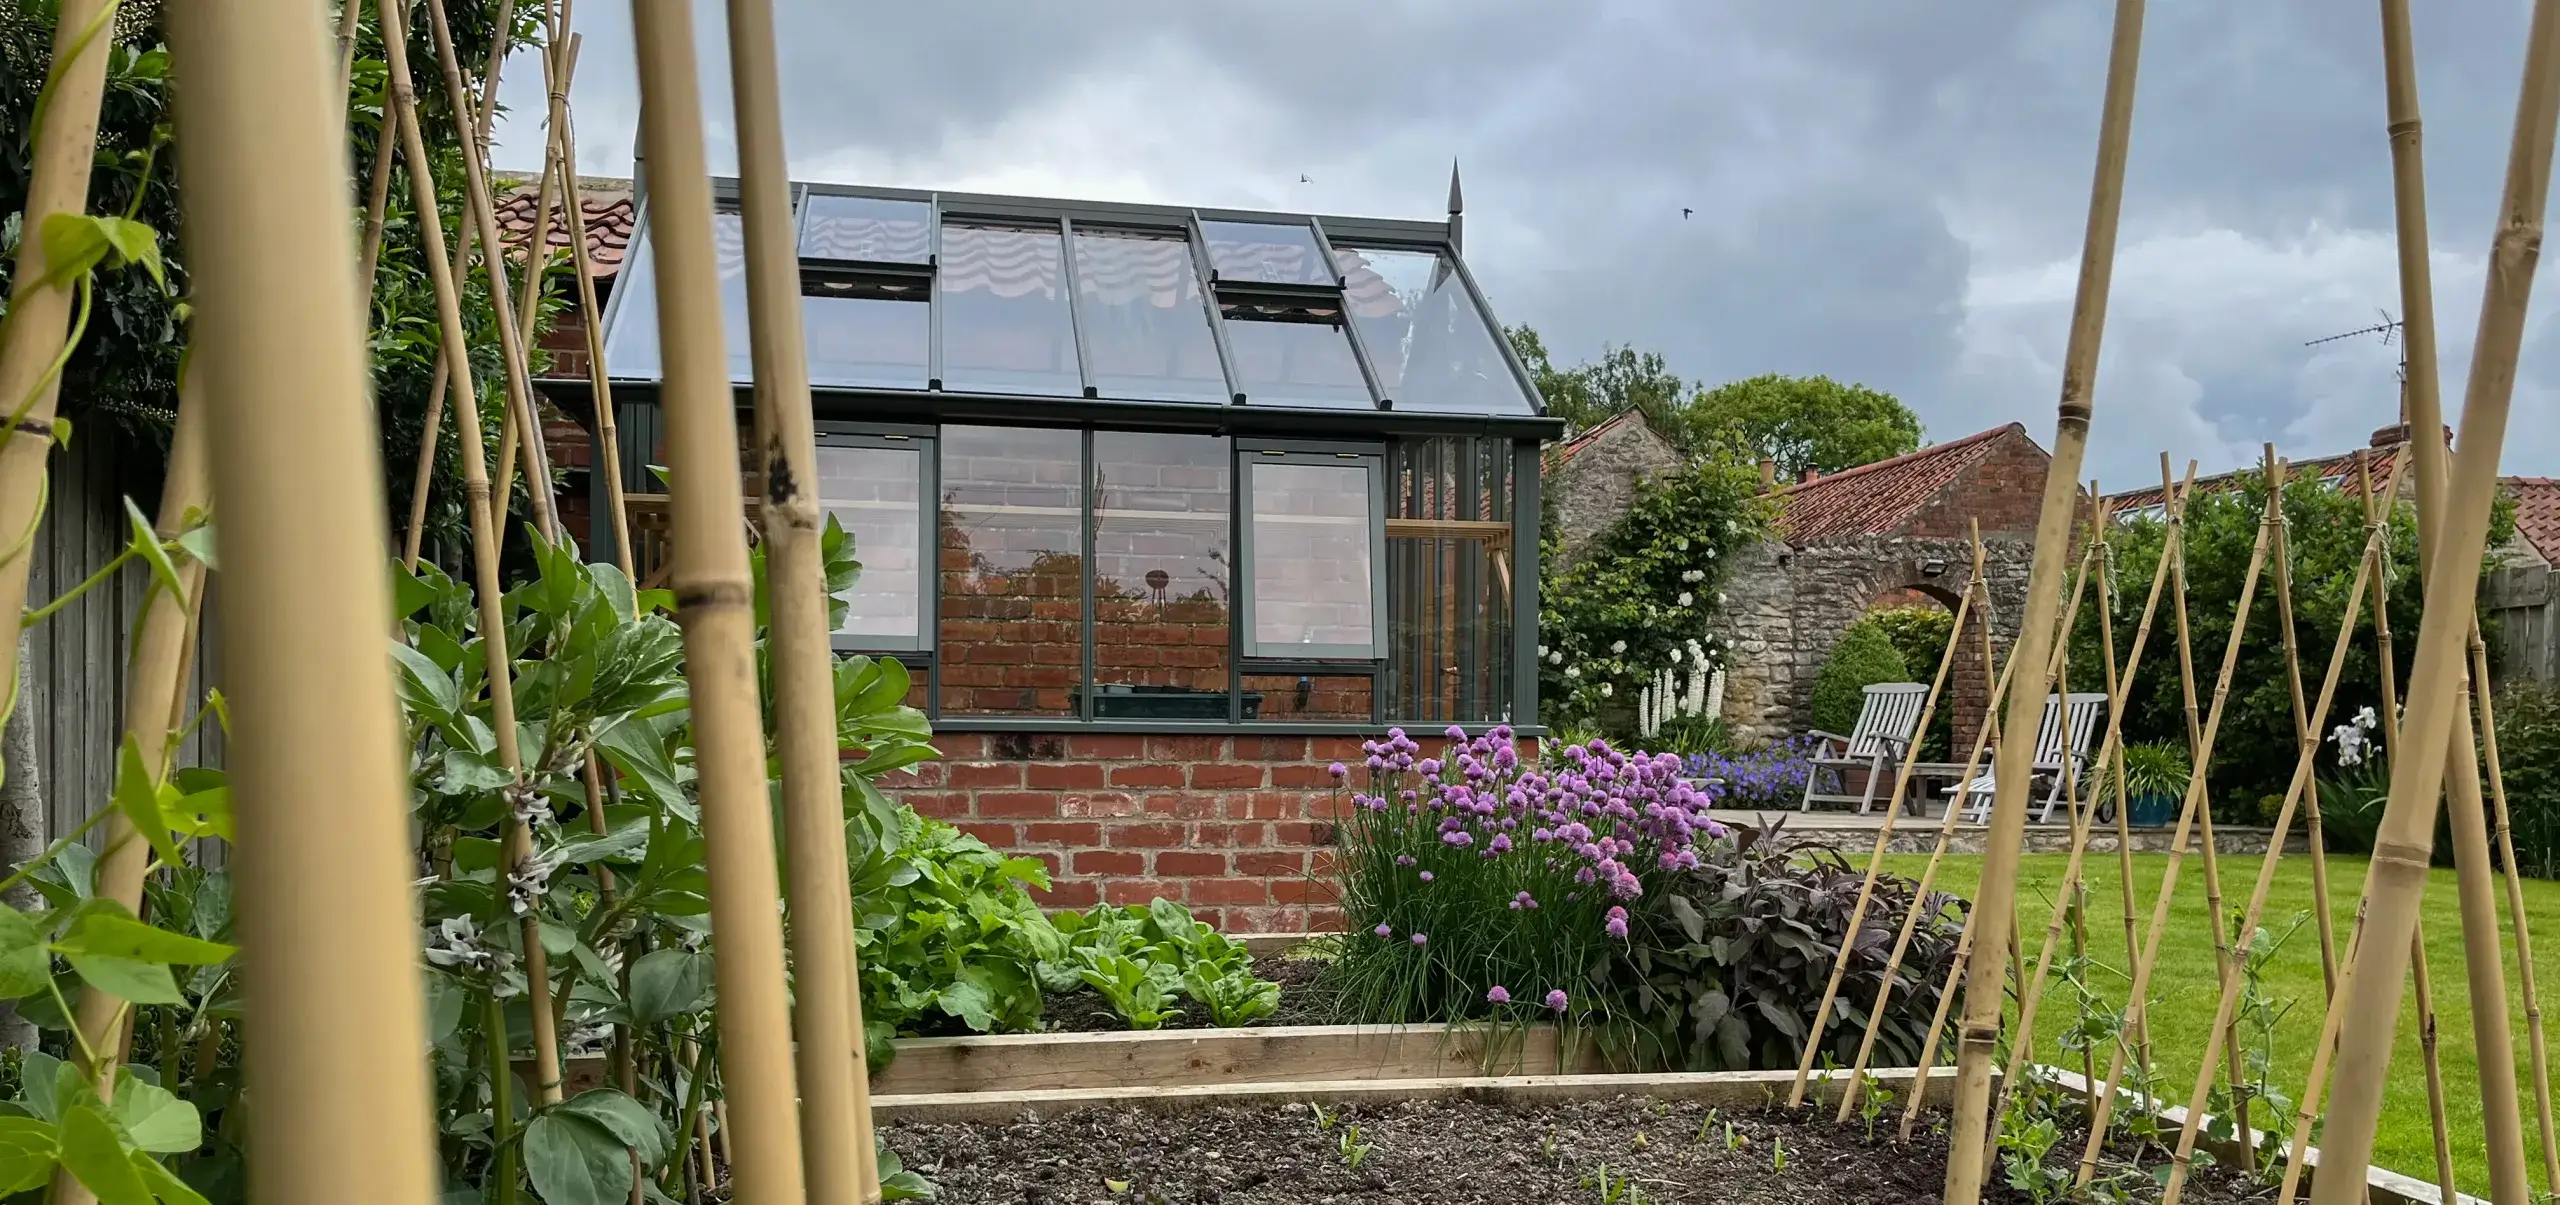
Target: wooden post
{"type": "Point", "coordinates": [484, 545]}
{"type": "Point", "coordinates": [39, 314]}
{"type": "Point", "coordinates": [340, 1094]}
{"type": "Point", "coordinates": [2136, 997]}
{"type": "Point", "coordinates": [835, 1095]}
{"type": "Point", "coordinates": [2453, 529]}
{"type": "Point", "coordinates": [1974, 587]}
{"type": "Point", "coordinates": [715, 601]}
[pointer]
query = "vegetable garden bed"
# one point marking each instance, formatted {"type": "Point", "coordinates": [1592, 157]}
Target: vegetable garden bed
{"type": "Point", "coordinates": [1622, 1139]}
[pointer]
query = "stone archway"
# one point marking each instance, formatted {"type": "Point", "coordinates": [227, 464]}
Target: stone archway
{"type": "Point", "coordinates": [1786, 606]}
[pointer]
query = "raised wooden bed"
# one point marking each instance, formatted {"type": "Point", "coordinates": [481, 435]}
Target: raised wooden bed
{"type": "Point", "coordinates": [1192, 1057]}
{"type": "Point", "coordinates": [1725, 1089]}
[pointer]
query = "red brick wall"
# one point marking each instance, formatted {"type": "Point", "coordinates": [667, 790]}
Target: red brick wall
{"type": "Point", "coordinates": [1238, 828]}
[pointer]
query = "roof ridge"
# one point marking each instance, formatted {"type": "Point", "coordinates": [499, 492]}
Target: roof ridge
{"type": "Point", "coordinates": [1905, 458]}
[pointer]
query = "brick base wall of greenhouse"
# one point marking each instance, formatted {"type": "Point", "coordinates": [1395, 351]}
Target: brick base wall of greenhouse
{"type": "Point", "coordinates": [1240, 829]}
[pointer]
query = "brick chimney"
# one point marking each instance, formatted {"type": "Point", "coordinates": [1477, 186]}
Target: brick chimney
{"type": "Point", "coordinates": [2395, 435]}
{"type": "Point", "coordinates": [1768, 475]}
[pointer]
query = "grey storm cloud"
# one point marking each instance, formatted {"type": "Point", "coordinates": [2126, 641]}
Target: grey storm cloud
{"type": "Point", "coordinates": [1884, 191]}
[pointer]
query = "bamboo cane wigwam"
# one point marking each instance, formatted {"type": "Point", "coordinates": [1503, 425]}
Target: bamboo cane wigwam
{"type": "Point", "coordinates": [341, 1094]}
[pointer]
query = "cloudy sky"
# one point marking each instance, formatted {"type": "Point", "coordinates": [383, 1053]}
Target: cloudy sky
{"type": "Point", "coordinates": [1885, 191]}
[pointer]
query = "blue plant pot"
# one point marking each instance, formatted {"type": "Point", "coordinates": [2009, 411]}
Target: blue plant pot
{"type": "Point", "coordinates": [2152, 810]}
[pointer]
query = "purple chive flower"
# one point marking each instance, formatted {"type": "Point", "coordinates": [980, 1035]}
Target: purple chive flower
{"type": "Point", "coordinates": [1383, 931]}
{"type": "Point", "coordinates": [1337, 770]}
{"type": "Point", "coordinates": [1523, 900]}
{"type": "Point", "coordinates": [1499, 995]}
{"type": "Point", "coordinates": [1556, 1000]}
{"type": "Point", "coordinates": [1618, 923]}
{"type": "Point", "coordinates": [1426, 876]}
{"type": "Point", "coordinates": [1422, 939]}
{"type": "Point", "coordinates": [1456, 733]}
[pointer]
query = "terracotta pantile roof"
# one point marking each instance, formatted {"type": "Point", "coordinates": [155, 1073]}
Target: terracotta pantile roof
{"type": "Point", "coordinates": [2339, 469]}
{"type": "Point", "coordinates": [2538, 513]}
{"type": "Point", "coordinates": [1878, 499]}
{"type": "Point", "coordinates": [609, 218]}
{"type": "Point", "coordinates": [1571, 448]}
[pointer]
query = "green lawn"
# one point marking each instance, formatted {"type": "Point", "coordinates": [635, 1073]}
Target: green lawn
{"type": "Point", "coordinates": [2184, 988]}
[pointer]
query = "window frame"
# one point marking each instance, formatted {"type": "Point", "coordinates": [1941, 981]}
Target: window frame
{"type": "Point", "coordinates": [926, 442]}
{"type": "Point", "coordinates": [1250, 652]}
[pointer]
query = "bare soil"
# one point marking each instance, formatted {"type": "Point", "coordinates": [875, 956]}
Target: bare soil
{"type": "Point", "coordinates": [1459, 1152]}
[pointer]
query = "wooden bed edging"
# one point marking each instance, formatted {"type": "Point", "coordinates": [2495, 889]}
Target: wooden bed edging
{"type": "Point", "coordinates": [2382, 1186]}
{"type": "Point", "coordinates": [1272, 945]}
{"type": "Point", "coordinates": [1724, 1089]}
{"type": "Point", "coordinates": [1170, 1058]}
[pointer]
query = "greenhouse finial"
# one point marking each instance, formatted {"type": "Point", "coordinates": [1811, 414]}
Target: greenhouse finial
{"type": "Point", "coordinates": [1457, 211]}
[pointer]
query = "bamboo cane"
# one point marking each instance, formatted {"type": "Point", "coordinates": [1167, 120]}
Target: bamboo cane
{"type": "Point", "coordinates": [484, 541]}
{"type": "Point", "coordinates": [511, 334]}
{"type": "Point", "coordinates": [340, 1093]}
{"type": "Point", "coordinates": [2212, 857]}
{"type": "Point", "coordinates": [156, 679]}
{"type": "Point", "coordinates": [608, 437]}
{"type": "Point", "coordinates": [2308, 1110]}
{"type": "Point", "coordinates": [377, 203]}
{"type": "Point", "coordinates": [537, 254]}
{"type": "Point", "coordinates": [2430, 1060]}
{"type": "Point", "coordinates": [835, 1095]}
{"type": "Point", "coordinates": [348, 13]}
{"type": "Point", "coordinates": [2306, 755]}
{"type": "Point", "coordinates": [2453, 529]}
{"type": "Point", "coordinates": [2202, 756]}
{"type": "Point", "coordinates": [2031, 987]}
{"type": "Point", "coordinates": [2304, 729]}
{"type": "Point", "coordinates": [1981, 1029]}
{"type": "Point", "coordinates": [1928, 876]}
{"type": "Point", "coordinates": [2124, 822]}
{"type": "Point", "coordinates": [479, 122]}
{"type": "Point", "coordinates": [158, 673]}
{"type": "Point", "coordinates": [1912, 915]}
{"type": "Point", "coordinates": [716, 605]}
{"type": "Point", "coordinates": [2442, 1126]}
{"type": "Point", "coordinates": [35, 331]}
{"type": "Point", "coordinates": [2538, 1049]}
{"type": "Point", "coordinates": [1938, 1024]}
{"type": "Point", "coordinates": [1884, 836]}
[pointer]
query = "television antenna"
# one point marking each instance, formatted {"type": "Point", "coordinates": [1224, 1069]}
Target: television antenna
{"type": "Point", "coordinates": [2389, 328]}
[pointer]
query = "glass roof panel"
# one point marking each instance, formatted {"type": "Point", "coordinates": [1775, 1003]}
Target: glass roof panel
{"type": "Point", "coordinates": [870, 230]}
{"type": "Point", "coordinates": [1430, 345]}
{"type": "Point", "coordinates": [631, 347]}
{"type": "Point", "coordinates": [1005, 327]}
{"type": "Point", "coordinates": [1145, 326]}
{"type": "Point", "coordinates": [1265, 253]}
{"type": "Point", "coordinates": [867, 335]}
{"type": "Point", "coordinates": [1294, 355]}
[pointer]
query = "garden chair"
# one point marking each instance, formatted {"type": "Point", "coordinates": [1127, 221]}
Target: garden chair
{"type": "Point", "coordinates": [1877, 743]}
{"type": "Point", "coordinates": [2083, 712]}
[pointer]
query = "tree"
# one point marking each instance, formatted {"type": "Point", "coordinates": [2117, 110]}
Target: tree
{"type": "Point", "coordinates": [1622, 379]}
{"type": "Point", "coordinates": [1805, 423]}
